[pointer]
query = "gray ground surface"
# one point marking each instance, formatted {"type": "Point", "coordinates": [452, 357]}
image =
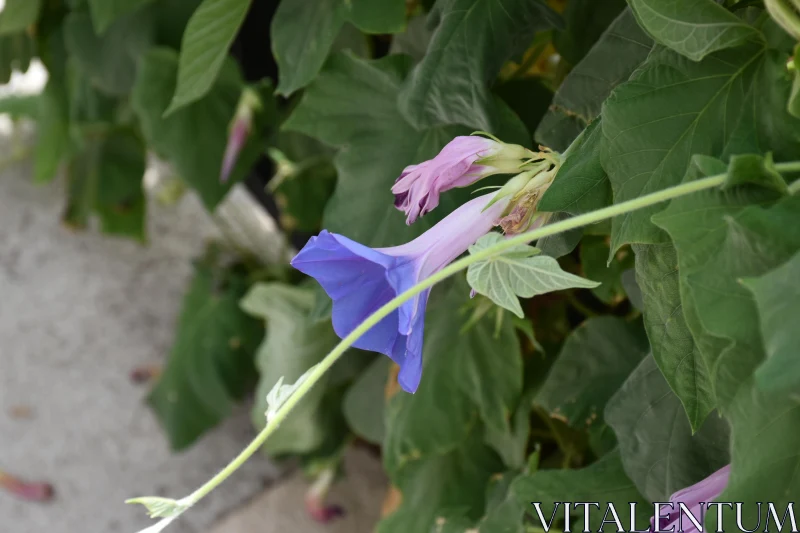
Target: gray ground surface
{"type": "Point", "coordinates": [360, 494]}
{"type": "Point", "coordinates": [77, 313]}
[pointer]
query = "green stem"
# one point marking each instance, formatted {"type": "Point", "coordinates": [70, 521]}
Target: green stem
{"type": "Point", "coordinates": [793, 187]}
{"type": "Point", "coordinates": [544, 416]}
{"type": "Point", "coordinates": [455, 267]}
{"type": "Point", "coordinates": [579, 306]}
{"type": "Point", "coordinates": [792, 166]}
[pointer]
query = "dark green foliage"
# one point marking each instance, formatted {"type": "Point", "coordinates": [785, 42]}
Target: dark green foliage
{"type": "Point", "coordinates": [106, 178]}
{"type": "Point", "coordinates": [193, 138]}
{"type": "Point", "coordinates": [660, 451]}
{"type": "Point", "coordinates": [210, 367]}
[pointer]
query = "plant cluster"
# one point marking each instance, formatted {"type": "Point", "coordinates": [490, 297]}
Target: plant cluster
{"type": "Point", "coordinates": [624, 328]}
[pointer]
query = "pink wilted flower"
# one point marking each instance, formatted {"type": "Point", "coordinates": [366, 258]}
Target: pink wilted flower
{"type": "Point", "coordinates": [462, 162]}
{"type": "Point", "coordinates": [694, 498]}
{"type": "Point", "coordinates": [28, 490]}
{"type": "Point", "coordinates": [360, 280]}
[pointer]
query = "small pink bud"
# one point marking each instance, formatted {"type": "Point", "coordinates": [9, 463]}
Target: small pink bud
{"type": "Point", "coordinates": [236, 141]}
{"type": "Point", "coordinates": [321, 512]}
{"type": "Point", "coordinates": [315, 498]}
{"type": "Point", "coordinates": [240, 130]}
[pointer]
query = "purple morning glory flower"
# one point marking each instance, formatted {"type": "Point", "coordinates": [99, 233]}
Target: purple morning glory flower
{"type": "Point", "coordinates": [704, 491]}
{"type": "Point", "coordinates": [360, 280]}
{"type": "Point", "coordinates": [462, 162]}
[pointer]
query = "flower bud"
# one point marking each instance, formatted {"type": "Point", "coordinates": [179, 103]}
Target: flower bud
{"type": "Point", "coordinates": [240, 129]}
{"type": "Point", "coordinates": [316, 506]}
{"type": "Point", "coordinates": [525, 190]}
{"type": "Point", "coordinates": [462, 162]}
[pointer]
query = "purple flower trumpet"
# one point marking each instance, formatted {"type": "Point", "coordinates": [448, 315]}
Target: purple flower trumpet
{"type": "Point", "coordinates": [462, 162]}
{"type": "Point", "coordinates": [693, 498]}
{"type": "Point", "coordinates": [360, 280]}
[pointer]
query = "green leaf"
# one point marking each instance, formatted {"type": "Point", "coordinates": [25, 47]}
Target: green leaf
{"type": "Point", "coordinates": [632, 289]}
{"type": "Point", "coordinates": [471, 44]}
{"type": "Point", "coordinates": [468, 377]}
{"type": "Point", "coordinates": [192, 138]}
{"type": "Point", "coordinates": [415, 40]}
{"type": "Point", "coordinates": [604, 482]}
{"type": "Point", "coordinates": [595, 361]}
{"type": "Point", "coordinates": [302, 34]}
{"type": "Point", "coordinates": [365, 402]}
{"type": "Point", "coordinates": [778, 297]}
{"type": "Point", "coordinates": [581, 184]}
{"type": "Point", "coordinates": [378, 16]}
{"type": "Point", "coordinates": [755, 169]}
{"type": "Point", "coordinates": [693, 28]}
{"type": "Point", "coordinates": [17, 15]}
{"type": "Point", "coordinates": [158, 507]}
{"type": "Point", "coordinates": [105, 12]}
{"type": "Point", "coordinates": [721, 237]}
{"type": "Point", "coordinates": [672, 108]}
{"type": "Point", "coordinates": [560, 244]}
{"type": "Point", "coordinates": [293, 344]}
{"type": "Point", "coordinates": [210, 367]}
{"type": "Point", "coordinates": [109, 61]}
{"type": "Point", "coordinates": [452, 479]}
{"type": "Point", "coordinates": [659, 451]}
{"type": "Point", "coordinates": [18, 106]}
{"type": "Point", "coordinates": [764, 455]}
{"type": "Point", "coordinates": [518, 272]}
{"type": "Point", "coordinates": [280, 393]}
{"type": "Point", "coordinates": [674, 348]}
{"type": "Point", "coordinates": [353, 106]}
{"type": "Point", "coordinates": [88, 105]}
{"type": "Point", "coordinates": [585, 21]}
{"type": "Point", "coordinates": [594, 255]}
{"type": "Point", "coordinates": [53, 141]}
{"type": "Point", "coordinates": [206, 41]}
{"type": "Point", "coordinates": [106, 178]}
{"type": "Point", "coordinates": [16, 52]}
{"type": "Point", "coordinates": [512, 443]}
{"type": "Point", "coordinates": [611, 61]}
{"type": "Point", "coordinates": [504, 514]}
{"type": "Point", "coordinates": [304, 31]}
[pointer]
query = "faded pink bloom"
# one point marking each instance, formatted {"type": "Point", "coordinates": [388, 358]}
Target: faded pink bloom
{"type": "Point", "coordinates": [34, 491]}
{"type": "Point", "coordinates": [462, 162]}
